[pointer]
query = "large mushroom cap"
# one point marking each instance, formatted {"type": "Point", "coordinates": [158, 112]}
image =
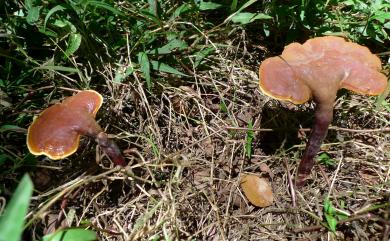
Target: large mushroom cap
{"type": "Point", "coordinates": [56, 132]}
{"type": "Point", "coordinates": [320, 67]}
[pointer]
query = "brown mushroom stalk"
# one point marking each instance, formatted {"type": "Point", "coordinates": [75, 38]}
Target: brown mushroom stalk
{"type": "Point", "coordinates": [57, 130]}
{"type": "Point", "coordinates": [317, 69]}
{"type": "Point", "coordinates": [323, 118]}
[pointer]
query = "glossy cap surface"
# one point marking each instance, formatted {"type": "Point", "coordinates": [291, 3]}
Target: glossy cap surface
{"type": "Point", "coordinates": [56, 131]}
{"type": "Point", "coordinates": [318, 68]}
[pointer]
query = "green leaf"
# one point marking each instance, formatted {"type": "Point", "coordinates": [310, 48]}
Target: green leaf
{"type": "Point", "coordinates": [223, 107]}
{"type": "Point", "coordinates": [249, 140]}
{"type": "Point", "coordinates": [185, 7]}
{"type": "Point", "coordinates": [245, 17]}
{"type": "Point", "coordinates": [15, 128]}
{"type": "Point", "coordinates": [58, 68]}
{"type": "Point", "coordinates": [74, 42]}
{"type": "Point", "coordinates": [48, 32]}
{"type": "Point", "coordinates": [381, 16]}
{"type": "Point", "coordinates": [174, 44]}
{"type": "Point", "coordinates": [11, 223]}
{"type": "Point", "coordinates": [73, 234]}
{"type": "Point", "coordinates": [332, 222]}
{"type": "Point", "coordinates": [208, 5]}
{"type": "Point", "coordinates": [159, 66]}
{"type": "Point", "coordinates": [101, 4]}
{"type": "Point", "coordinates": [233, 5]}
{"type": "Point", "coordinates": [51, 12]}
{"type": "Point", "coordinates": [122, 74]}
{"type": "Point", "coordinates": [200, 55]}
{"type": "Point", "coordinates": [33, 14]}
{"type": "Point", "coordinates": [143, 60]}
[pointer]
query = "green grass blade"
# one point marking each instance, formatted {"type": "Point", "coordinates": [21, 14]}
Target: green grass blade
{"type": "Point", "coordinates": [11, 223]}
{"type": "Point", "coordinates": [73, 234]}
{"type": "Point", "coordinates": [143, 60]}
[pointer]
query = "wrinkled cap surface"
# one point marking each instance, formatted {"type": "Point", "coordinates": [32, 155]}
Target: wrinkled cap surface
{"type": "Point", "coordinates": [257, 190]}
{"type": "Point", "coordinates": [56, 132]}
{"type": "Point", "coordinates": [318, 68]}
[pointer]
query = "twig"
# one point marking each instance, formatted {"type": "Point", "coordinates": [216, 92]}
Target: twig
{"type": "Point", "coordinates": [334, 178]}
{"type": "Point", "coordinates": [387, 129]}
{"type": "Point", "coordinates": [290, 183]}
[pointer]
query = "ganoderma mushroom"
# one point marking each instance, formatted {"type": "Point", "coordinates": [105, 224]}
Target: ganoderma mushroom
{"type": "Point", "coordinates": [56, 131]}
{"type": "Point", "coordinates": [317, 69]}
{"type": "Point", "coordinates": [257, 190]}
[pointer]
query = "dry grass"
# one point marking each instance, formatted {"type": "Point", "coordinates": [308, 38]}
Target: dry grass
{"type": "Point", "coordinates": [186, 151]}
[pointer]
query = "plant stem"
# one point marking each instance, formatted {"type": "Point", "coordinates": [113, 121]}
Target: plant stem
{"type": "Point", "coordinates": [323, 117]}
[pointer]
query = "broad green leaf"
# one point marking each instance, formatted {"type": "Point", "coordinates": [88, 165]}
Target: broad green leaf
{"type": "Point", "coordinates": [245, 5]}
{"type": "Point", "coordinates": [233, 5]}
{"type": "Point", "coordinates": [51, 12]}
{"type": "Point", "coordinates": [60, 23]}
{"type": "Point", "coordinates": [208, 5]}
{"type": "Point", "coordinates": [11, 223]}
{"type": "Point", "coordinates": [153, 7]}
{"type": "Point", "coordinates": [74, 42]}
{"type": "Point", "coordinates": [174, 44]}
{"type": "Point", "coordinates": [200, 55]}
{"type": "Point", "coordinates": [63, 23]}
{"type": "Point", "coordinates": [143, 61]}
{"type": "Point", "coordinates": [48, 32]}
{"type": "Point", "coordinates": [245, 17]}
{"type": "Point", "coordinates": [381, 16]}
{"type": "Point", "coordinates": [185, 7]}
{"type": "Point", "coordinates": [159, 66]}
{"type": "Point", "coordinates": [33, 14]}
{"type": "Point", "coordinates": [28, 4]}
{"type": "Point", "coordinates": [72, 234]}
{"type": "Point", "coordinates": [101, 4]}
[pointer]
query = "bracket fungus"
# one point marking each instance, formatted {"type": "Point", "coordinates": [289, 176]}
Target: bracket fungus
{"type": "Point", "coordinates": [56, 131]}
{"type": "Point", "coordinates": [316, 70]}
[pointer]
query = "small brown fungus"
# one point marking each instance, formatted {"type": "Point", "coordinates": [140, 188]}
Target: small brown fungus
{"type": "Point", "coordinates": [317, 69]}
{"type": "Point", "coordinates": [257, 190]}
{"type": "Point", "coordinates": [56, 131]}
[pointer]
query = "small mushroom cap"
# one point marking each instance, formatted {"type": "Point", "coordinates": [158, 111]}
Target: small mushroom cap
{"type": "Point", "coordinates": [56, 131]}
{"type": "Point", "coordinates": [318, 68]}
{"type": "Point", "coordinates": [257, 190]}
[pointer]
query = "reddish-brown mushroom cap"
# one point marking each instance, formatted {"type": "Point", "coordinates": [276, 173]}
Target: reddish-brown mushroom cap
{"type": "Point", "coordinates": [318, 68]}
{"type": "Point", "coordinates": [56, 132]}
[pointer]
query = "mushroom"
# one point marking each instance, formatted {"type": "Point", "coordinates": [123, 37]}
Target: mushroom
{"type": "Point", "coordinates": [57, 130]}
{"type": "Point", "coordinates": [318, 69]}
{"type": "Point", "coordinates": [257, 190]}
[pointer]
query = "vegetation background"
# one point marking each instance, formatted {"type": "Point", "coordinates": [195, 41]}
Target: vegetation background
{"type": "Point", "coordinates": [179, 80]}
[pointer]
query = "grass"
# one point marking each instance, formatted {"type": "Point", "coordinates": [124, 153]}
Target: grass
{"type": "Point", "coordinates": [181, 99]}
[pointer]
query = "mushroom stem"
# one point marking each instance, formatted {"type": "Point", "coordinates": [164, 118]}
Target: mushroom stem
{"type": "Point", "coordinates": [110, 148]}
{"type": "Point", "coordinates": [323, 117]}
